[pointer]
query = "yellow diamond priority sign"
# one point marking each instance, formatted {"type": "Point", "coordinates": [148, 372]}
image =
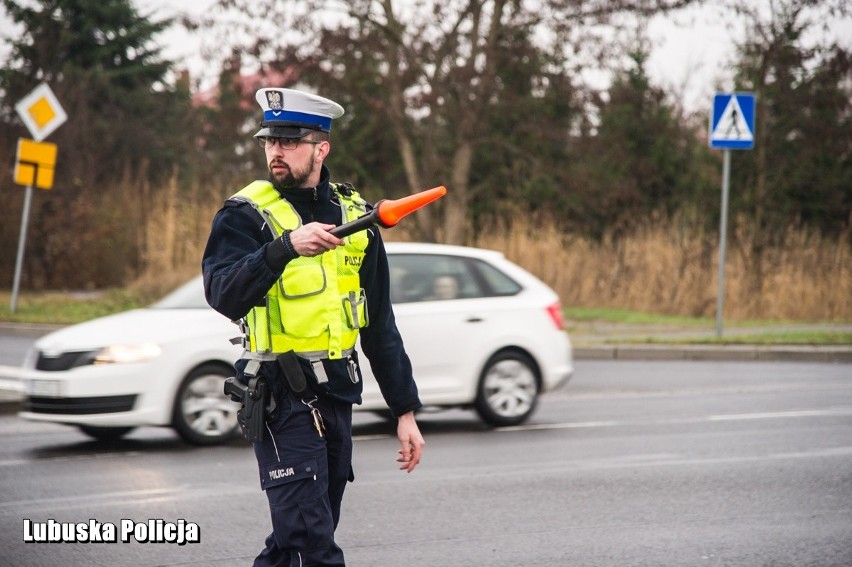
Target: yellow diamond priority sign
{"type": "Point", "coordinates": [35, 164]}
{"type": "Point", "coordinates": [41, 112]}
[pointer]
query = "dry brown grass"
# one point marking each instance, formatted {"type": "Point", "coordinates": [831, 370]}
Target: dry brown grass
{"type": "Point", "coordinates": [664, 266]}
{"type": "Point", "coordinates": [670, 267]}
{"type": "Point", "coordinates": [173, 240]}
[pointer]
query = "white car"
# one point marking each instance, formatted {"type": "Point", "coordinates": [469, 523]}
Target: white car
{"type": "Point", "coordinates": [481, 332]}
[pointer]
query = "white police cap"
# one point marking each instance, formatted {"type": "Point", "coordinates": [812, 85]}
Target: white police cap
{"type": "Point", "coordinates": [288, 113]}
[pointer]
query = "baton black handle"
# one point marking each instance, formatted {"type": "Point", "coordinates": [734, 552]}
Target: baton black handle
{"type": "Point", "coordinates": [361, 223]}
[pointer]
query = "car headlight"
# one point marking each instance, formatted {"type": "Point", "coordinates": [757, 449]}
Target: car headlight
{"type": "Point", "coordinates": [118, 354]}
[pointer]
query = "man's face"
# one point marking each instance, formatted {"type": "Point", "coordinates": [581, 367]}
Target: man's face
{"type": "Point", "coordinates": [293, 167]}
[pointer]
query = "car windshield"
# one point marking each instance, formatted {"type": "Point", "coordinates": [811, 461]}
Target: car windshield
{"type": "Point", "coordinates": [188, 296]}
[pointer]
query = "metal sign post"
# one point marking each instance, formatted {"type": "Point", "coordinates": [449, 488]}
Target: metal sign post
{"type": "Point", "coordinates": [723, 240]}
{"type": "Point", "coordinates": [33, 167]}
{"type": "Point", "coordinates": [42, 114]}
{"type": "Point", "coordinates": [731, 128]}
{"type": "Point", "coordinates": [22, 240]}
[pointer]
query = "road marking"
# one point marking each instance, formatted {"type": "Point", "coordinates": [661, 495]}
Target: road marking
{"type": "Point", "coordinates": [652, 461]}
{"type": "Point", "coordinates": [371, 437]}
{"type": "Point", "coordinates": [130, 498]}
{"type": "Point", "coordinates": [574, 425]}
{"type": "Point", "coordinates": [87, 457]}
{"type": "Point", "coordinates": [118, 498]}
{"type": "Point", "coordinates": [781, 414]}
{"type": "Point", "coordinates": [830, 412]}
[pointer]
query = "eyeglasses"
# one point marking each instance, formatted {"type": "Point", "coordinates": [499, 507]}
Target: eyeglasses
{"type": "Point", "coordinates": [268, 142]}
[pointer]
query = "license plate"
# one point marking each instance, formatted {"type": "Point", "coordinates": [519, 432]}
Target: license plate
{"type": "Point", "coordinates": [51, 388]}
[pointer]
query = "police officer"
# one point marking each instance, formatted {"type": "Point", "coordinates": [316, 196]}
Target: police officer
{"type": "Point", "coordinates": [272, 265]}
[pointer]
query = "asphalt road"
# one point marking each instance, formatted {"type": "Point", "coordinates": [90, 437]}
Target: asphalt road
{"type": "Point", "coordinates": [14, 348]}
{"type": "Point", "coordinates": [633, 463]}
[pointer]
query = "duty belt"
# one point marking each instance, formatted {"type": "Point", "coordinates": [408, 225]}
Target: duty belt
{"type": "Point", "coordinates": [315, 358]}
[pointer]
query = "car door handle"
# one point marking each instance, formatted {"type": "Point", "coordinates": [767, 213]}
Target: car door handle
{"type": "Point", "coordinates": [474, 319]}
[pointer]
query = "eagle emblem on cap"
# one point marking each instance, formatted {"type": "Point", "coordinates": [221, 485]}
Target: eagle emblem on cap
{"type": "Point", "coordinates": [275, 100]}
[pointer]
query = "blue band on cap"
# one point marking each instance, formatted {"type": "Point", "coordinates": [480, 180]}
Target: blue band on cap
{"type": "Point", "coordinates": [299, 117]}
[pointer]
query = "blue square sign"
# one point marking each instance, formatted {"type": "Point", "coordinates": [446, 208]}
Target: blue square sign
{"type": "Point", "coordinates": [732, 121]}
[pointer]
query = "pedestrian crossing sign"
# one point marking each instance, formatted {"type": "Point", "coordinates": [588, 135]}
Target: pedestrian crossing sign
{"type": "Point", "coordinates": [732, 121]}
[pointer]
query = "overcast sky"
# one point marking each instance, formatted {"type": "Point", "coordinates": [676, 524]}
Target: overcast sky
{"type": "Point", "coordinates": [691, 51]}
{"type": "Point", "coordinates": [685, 58]}
{"type": "Point", "coordinates": [691, 55]}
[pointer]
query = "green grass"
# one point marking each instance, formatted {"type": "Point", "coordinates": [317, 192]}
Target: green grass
{"type": "Point", "coordinates": [588, 314]}
{"type": "Point", "coordinates": [802, 338]}
{"type": "Point", "coordinates": [59, 308]}
{"type": "Point", "coordinates": [607, 315]}
{"type": "Point", "coordinates": [634, 327]}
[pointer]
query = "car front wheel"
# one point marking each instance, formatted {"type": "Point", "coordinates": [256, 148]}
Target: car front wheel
{"type": "Point", "coordinates": [508, 389]}
{"type": "Point", "coordinates": [203, 414]}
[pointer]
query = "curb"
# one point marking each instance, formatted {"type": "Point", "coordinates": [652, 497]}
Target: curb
{"type": "Point", "coordinates": [11, 395]}
{"type": "Point", "coordinates": [28, 329]}
{"type": "Point", "coordinates": [791, 353]}
{"type": "Point", "coordinates": [8, 407]}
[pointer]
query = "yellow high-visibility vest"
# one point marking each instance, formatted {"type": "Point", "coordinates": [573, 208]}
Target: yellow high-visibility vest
{"type": "Point", "coordinates": [317, 306]}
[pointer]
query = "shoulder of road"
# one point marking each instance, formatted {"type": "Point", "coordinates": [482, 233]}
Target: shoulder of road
{"type": "Point", "coordinates": [610, 341]}
{"type": "Point", "coordinates": [650, 341]}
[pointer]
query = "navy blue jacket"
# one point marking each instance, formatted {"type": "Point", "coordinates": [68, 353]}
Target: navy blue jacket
{"type": "Point", "coordinates": [243, 260]}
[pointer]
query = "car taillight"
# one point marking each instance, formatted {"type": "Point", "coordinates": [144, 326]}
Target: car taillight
{"type": "Point", "coordinates": [555, 312]}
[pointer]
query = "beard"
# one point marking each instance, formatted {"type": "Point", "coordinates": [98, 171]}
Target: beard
{"type": "Point", "coordinates": [293, 179]}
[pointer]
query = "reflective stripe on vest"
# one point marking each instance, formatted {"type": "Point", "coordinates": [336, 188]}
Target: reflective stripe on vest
{"type": "Point", "coordinates": [317, 306]}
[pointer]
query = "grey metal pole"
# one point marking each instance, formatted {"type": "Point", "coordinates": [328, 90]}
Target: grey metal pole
{"type": "Point", "coordinates": [723, 240]}
{"type": "Point", "coordinates": [22, 239]}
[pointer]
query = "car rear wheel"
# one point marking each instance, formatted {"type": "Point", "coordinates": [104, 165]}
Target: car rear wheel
{"type": "Point", "coordinates": [508, 389]}
{"type": "Point", "coordinates": [203, 414]}
{"type": "Point", "coordinates": [105, 433]}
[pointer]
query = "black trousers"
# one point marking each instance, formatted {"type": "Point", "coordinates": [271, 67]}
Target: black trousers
{"type": "Point", "coordinates": [304, 476]}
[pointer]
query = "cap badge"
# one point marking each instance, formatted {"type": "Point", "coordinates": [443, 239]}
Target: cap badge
{"type": "Point", "coordinates": [275, 100]}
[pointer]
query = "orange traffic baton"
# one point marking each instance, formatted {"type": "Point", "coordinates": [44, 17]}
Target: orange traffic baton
{"type": "Point", "coordinates": [388, 212]}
